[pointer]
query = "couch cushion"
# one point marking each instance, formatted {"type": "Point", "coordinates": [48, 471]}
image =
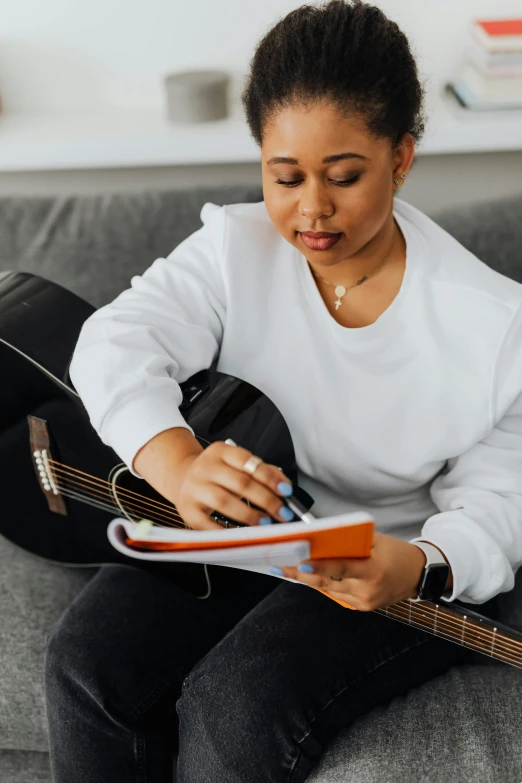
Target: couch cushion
{"type": "Point", "coordinates": [33, 595]}
{"type": "Point", "coordinates": [462, 726]}
{"type": "Point", "coordinates": [492, 231]}
{"type": "Point", "coordinates": [94, 244]}
{"type": "Point", "coordinates": [23, 766]}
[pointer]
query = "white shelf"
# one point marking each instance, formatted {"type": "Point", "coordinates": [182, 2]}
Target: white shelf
{"type": "Point", "coordinates": [453, 129]}
{"type": "Point", "coordinates": [125, 138]}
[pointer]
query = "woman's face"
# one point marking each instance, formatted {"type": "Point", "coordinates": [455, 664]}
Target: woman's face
{"type": "Point", "coordinates": [352, 195]}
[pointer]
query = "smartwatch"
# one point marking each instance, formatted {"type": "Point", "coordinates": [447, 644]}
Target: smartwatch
{"type": "Point", "coordinates": [435, 574]}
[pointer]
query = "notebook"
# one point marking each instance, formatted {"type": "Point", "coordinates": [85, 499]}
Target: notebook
{"type": "Point", "coordinates": [255, 548]}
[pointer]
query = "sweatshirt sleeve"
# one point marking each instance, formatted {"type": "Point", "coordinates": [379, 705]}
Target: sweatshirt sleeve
{"type": "Point", "coordinates": [479, 527]}
{"type": "Point", "coordinates": [132, 354]}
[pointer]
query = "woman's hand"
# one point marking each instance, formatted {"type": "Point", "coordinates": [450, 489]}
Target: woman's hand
{"type": "Point", "coordinates": [390, 574]}
{"type": "Point", "coordinates": [214, 480]}
{"type": "Point", "coordinates": [199, 481]}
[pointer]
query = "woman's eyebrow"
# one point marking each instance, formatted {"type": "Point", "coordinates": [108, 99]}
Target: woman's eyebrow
{"type": "Point", "coordinates": [328, 159]}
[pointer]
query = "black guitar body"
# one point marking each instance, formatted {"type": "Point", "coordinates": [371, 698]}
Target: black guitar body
{"type": "Point", "coordinates": [39, 327]}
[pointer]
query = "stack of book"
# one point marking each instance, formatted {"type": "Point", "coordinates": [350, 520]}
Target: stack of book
{"type": "Point", "coordinates": [490, 76]}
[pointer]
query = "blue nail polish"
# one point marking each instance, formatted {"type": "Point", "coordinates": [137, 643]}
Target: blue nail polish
{"type": "Point", "coordinates": [286, 513]}
{"type": "Point", "coordinates": [275, 571]}
{"type": "Point", "coordinates": [306, 568]}
{"type": "Point", "coordinates": [284, 488]}
{"type": "Point", "coordinates": [265, 521]}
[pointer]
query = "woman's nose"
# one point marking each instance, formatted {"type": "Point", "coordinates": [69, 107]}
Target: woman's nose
{"type": "Point", "coordinates": [315, 203]}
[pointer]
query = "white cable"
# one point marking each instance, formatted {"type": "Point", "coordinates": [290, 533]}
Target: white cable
{"type": "Point", "coordinates": [115, 472]}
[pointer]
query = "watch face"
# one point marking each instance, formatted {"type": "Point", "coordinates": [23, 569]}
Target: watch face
{"type": "Point", "coordinates": [434, 581]}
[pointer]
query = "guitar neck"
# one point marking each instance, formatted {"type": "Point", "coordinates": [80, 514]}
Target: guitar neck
{"type": "Point", "coordinates": [461, 626]}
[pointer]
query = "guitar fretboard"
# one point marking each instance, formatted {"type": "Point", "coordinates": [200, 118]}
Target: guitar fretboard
{"type": "Point", "coordinates": [483, 636]}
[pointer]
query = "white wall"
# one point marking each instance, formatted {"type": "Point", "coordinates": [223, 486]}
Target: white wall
{"type": "Point", "coordinates": [66, 55]}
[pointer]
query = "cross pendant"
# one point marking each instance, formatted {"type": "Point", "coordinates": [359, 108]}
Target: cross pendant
{"type": "Point", "coordinates": [338, 304]}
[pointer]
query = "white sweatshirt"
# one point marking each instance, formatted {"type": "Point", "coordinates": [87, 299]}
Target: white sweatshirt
{"type": "Point", "coordinates": [375, 413]}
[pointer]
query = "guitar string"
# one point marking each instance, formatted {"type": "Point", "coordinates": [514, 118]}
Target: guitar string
{"type": "Point", "coordinates": [130, 507]}
{"type": "Point", "coordinates": [469, 625]}
{"type": "Point", "coordinates": [507, 657]}
{"type": "Point", "coordinates": [94, 503]}
{"type": "Point", "coordinates": [154, 515]}
{"type": "Point", "coordinates": [446, 622]}
{"type": "Point", "coordinates": [68, 492]}
{"type": "Point", "coordinates": [99, 499]}
{"type": "Point", "coordinates": [121, 490]}
{"type": "Point", "coordinates": [104, 482]}
{"type": "Point", "coordinates": [513, 647]}
{"type": "Point", "coordinates": [469, 632]}
{"type": "Point", "coordinates": [498, 646]}
{"type": "Point", "coordinates": [496, 654]}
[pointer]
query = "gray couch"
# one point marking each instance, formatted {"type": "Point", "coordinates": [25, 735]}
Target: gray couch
{"type": "Point", "coordinates": [463, 726]}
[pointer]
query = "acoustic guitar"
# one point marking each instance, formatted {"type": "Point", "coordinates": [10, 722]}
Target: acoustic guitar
{"type": "Point", "coordinates": [61, 485]}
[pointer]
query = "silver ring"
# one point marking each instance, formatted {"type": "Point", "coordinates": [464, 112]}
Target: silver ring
{"type": "Point", "coordinates": [252, 464]}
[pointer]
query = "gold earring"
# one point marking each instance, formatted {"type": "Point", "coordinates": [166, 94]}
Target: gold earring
{"type": "Point", "coordinates": [398, 181]}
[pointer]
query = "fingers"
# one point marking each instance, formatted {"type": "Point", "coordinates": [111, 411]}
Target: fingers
{"type": "Point", "coordinates": [344, 568]}
{"type": "Point", "coordinates": [323, 571]}
{"type": "Point", "coordinates": [216, 481]}
{"type": "Point", "coordinates": [215, 497]}
{"type": "Point", "coordinates": [241, 485]}
{"type": "Point", "coordinates": [346, 587]}
{"type": "Point", "coordinates": [264, 488]}
{"type": "Point", "coordinates": [328, 572]}
{"type": "Point", "coordinates": [265, 473]}
{"type": "Point", "coordinates": [356, 592]}
{"type": "Point", "coordinates": [320, 580]}
{"type": "Point", "coordinates": [200, 519]}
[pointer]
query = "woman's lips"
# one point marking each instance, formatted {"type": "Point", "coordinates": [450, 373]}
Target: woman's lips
{"type": "Point", "coordinates": [320, 242]}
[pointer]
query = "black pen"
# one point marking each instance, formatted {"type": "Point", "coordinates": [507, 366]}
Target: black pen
{"type": "Point", "coordinates": [292, 503]}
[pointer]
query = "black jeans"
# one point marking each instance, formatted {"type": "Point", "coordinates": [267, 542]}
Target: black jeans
{"type": "Point", "coordinates": [247, 686]}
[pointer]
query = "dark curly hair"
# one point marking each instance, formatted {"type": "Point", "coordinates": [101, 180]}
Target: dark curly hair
{"type": "Point", "coordinates": [348, 53]}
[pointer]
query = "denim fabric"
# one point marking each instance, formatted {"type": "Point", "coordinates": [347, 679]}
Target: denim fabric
{"type": "Point", "coordinates": [247, 686]}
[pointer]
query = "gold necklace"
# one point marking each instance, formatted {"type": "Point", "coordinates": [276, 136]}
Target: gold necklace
{"type": "Point", "coordinates": [340, 290]}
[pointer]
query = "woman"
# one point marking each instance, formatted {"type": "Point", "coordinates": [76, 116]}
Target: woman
{"type": "Point", "coordinates": [391, 352]}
